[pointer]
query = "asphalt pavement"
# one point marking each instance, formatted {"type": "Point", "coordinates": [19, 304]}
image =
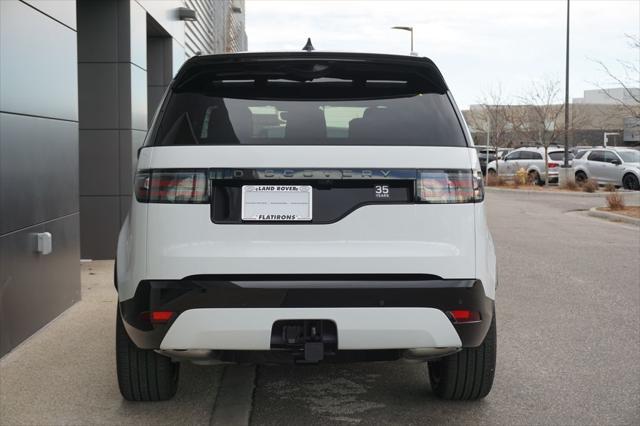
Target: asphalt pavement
{"type": "Point", "coordinates": [568, 308]}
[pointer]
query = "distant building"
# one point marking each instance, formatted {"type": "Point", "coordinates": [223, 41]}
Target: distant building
{"type": "Point", "coordinates": [609, 96]}
{"type": "Point", "coordinates": [596, 113]}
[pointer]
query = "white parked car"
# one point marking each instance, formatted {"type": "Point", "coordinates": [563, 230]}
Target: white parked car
{"type": "Point", "coordinates": [617, 166]}
{"type": "Point", "coordinates": [356, 230]}
{"type": "Point", "coordinates": [532, 161]}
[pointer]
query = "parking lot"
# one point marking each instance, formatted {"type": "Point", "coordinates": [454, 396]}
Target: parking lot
{"type": "Point", "coordinates": [568, 305]}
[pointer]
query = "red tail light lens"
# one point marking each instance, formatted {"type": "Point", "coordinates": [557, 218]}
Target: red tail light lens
{"type": "Point", "coordinates": [161, 316]}
{"type": "Point", "coordinates": [463, 316]}
{"type": "Point", "coordinates": [554, 165]}
{"type": "Point", "coordinates": [449, 186]}
{"type": "Point", "coordinates": [166, 186]}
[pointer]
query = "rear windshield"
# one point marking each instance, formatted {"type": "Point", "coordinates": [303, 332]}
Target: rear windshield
{"type": "Point", "coordinates": [303, 113]}
{"type": "Point", "coordinates": [559, 155]}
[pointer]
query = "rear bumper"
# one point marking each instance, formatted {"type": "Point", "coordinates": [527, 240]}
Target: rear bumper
{"type": "Point", "coordinates": [370, 312]}
{"type": "Point", "coordinates": [358, 328]}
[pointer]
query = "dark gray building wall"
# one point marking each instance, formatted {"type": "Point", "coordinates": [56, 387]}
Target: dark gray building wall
{"type": "Point", "coordinates": [116, 94]}
{"type": "Point", "coordinates": [128, 52]}
{"type": "Point", "coordinates": [38, 165]}
{"type": "Point", "coordinates": [112, 83]}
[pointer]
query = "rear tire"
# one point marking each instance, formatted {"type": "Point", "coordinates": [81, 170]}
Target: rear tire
{"type": "Point", "coordinates": [630, 181]}
{"type": "Point", "coordinates": [143, 375]}
{"type": "Point", "coordinates": [534, 178]}
{"type": "Point", "coordinates": [581, 177]}
{"type": "Point", "coordinates": [468, 374]}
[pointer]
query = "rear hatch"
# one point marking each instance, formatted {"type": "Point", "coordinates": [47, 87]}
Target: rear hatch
{"type": "Point", "coordinates": [308, 163]}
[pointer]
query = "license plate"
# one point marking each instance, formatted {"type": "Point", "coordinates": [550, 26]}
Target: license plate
{"type": "Point", "coordinates": [281, 203]}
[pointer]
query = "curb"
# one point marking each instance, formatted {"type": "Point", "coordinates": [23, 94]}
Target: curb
{"type": "Point", "coordinates": [614, 217]}
{"type": "Point", "coordinates": [235, 396]}
{"type": "Point", "coordinates": [562, 193]}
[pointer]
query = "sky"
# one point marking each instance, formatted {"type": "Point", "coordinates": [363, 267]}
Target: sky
{"type": "Point", "coordinates": [480, 46]}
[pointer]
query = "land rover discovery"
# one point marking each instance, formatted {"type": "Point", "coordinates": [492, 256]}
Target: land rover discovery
{"type": "Point", "coordinates": [306, 207]}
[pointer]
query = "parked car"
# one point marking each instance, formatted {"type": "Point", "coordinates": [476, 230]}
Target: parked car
{"type": "Point", "coordinates": [579, 153]}
{"type": "Point", "coordinates": [532, 161]}
{"type": "Point", "coordinates": [502, 152]}
{"type": "Point", "coordinates": [620, 167]}
{"type": "Point", "coordinates": [353, 230]}
{"type": "Point", "coordinates": [485, 157]}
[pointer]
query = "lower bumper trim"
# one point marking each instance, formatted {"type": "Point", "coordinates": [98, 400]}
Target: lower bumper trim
{"type": "Point", "coordinates": [358, 328]}
{"type": "Point", "coordinates": [296, 293]}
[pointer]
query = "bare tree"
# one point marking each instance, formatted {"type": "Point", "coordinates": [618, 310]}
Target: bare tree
{"type": "Point", "coordinates": [540, 116]}
{"type": "Point", "coordinates": [630, 81]}
{"type": "Point", "coordinates": [491, 118]}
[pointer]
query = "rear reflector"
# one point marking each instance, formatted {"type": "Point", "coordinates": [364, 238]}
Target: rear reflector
{"type": "Point", "coordinates": [161, 316]}
{"type": "Point", "coordinates": [449, 186]}
{"type": "Point", "coordinates": [463, 315]}
{"type": "Point", "coordinates": [167, 186]}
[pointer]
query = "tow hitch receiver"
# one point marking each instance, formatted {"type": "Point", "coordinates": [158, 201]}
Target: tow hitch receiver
{"type": "Point", "coordinates": [309, 340]}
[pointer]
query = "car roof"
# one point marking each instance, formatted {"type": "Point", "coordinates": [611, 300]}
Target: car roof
{"type": "Point", "coordinates": [532, 148]}
{"type": "Point", "coordinates": [238, 63]}
{"type": "Point", "coordinates": [615, 149]}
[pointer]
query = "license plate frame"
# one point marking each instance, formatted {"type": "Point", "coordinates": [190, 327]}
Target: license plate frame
{"type": "Point", "coordinates": [277, 203]}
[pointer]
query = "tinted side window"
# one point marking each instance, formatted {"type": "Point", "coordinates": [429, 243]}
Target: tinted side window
{"type": "Point", "coordinates": [535, 156]}
{"type": "Point", "coordinates": [514, 156]}
{"type": "Point", "coordinates": [609, 157]}
{"type": "Point", "coordinates": [580, 154]}
{"type": "Point", "coordinates": [524, 155]}
{"type": "Point", "coordinates": [596, 156]}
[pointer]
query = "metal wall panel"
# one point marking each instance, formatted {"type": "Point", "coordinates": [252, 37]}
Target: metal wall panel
{"type": "Point", "coordinates": [178, 57]}
{"type": "Point", "coordinates": [208, 34]}
{"type": "Point", "coordinates": [60, 10]}
{"type": "Point", "coordinates": [98, 100]}
{"type": "Point", "coordinates": [120, 88]}
{"type": "Point", "coordinates": [37, 288]}
{"type": "Point", "coordinates": [165, 12]}
{"type": "Point", "coordinates": [38, 165]}
{"type": "Point", "coordinates": [138, 35]}
{"type": "Point", "coordinates": [38, 61]}
{"type": "Point", "coordinates": [97, 31]}
{"type": "Point", "coordinates": [100, 217]}
{"type": "Point", "coordinates": [99, 162]}
{"type": "Point", "coordinates": [218, 29]}
{"type": "Point", "coordinates": [130, 141]}
{"type": "Point", "coordinates": [132, 97]}
{"type": "Point", "coordinates": [38, 170]}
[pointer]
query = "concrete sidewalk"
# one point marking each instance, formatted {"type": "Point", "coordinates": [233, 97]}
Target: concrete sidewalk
{"type": "Point", "coordinates": [65, 374]}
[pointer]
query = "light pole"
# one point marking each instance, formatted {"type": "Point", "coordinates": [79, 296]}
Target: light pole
{"type": "Point", "coordinates": [410, 29]}
{"type": "Point", "coordinates": [566, 97]}
{"type": "Point", "coordinates": [565, 173]}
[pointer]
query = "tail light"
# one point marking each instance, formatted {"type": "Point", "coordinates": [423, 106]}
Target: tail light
{"type": "Point", "coordinates": [159, 317]}
{"type": "Point", "coordinates": [156, 317]}
{"type": "Point", "coordinates": [553, 165]}
{"type": "Point", "coordinates": [463, 316]}
{"type": "Point", "coordinates": [167, 186]}
{"type": "Point", "coordinates": [449, 186]}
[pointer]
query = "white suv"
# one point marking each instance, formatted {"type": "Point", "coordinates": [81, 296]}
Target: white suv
{"type": "Point", "coordinates": [620, 167]}
{"type": "Point", "coordinates": [296, 207]}
{"type": "Point", "coordinates": [532, 161]}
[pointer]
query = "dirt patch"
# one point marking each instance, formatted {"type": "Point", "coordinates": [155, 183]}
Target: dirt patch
{"type": "Point", "coordinates": [537, 188]}
{"type": "Point", "coordinates": [631, 211]}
